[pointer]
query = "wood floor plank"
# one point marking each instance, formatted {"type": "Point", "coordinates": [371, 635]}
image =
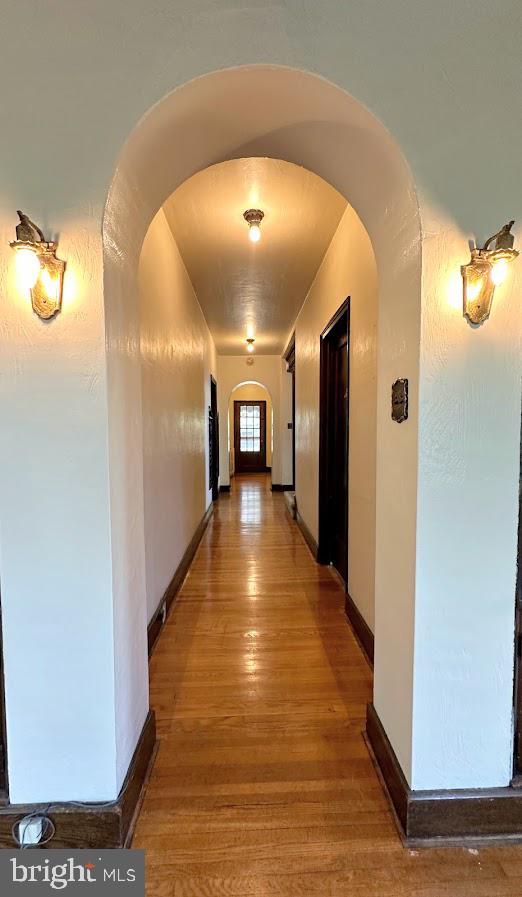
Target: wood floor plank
{"type": "Point", "coordinates": [263, 784]}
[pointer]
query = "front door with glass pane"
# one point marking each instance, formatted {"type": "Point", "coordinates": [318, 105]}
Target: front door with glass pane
{"type": "Point", "coordinates": [249, 437]}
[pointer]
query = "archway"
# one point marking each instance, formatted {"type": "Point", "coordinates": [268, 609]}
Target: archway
{"type": "Point", "coordinates": [300, 118]}
{"type": "Point", "coordinates": [250, 390]}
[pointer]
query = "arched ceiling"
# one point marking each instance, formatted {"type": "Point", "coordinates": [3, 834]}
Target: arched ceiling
{"type": "Point", "coordinates": [244, 288]}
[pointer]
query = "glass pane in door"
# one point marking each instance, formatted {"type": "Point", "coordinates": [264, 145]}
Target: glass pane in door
{"type": "Point", "coordinates": [249, 428]}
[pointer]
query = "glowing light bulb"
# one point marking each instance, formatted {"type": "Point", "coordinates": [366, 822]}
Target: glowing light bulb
{"type": "Point", "coordinates": [473, 289]}
{"type": "Point", "coordinates": [27, 268]}
{"type": "Point", "coordinates": [255, 233]}
{"type": "Point", "coordinates": [50, 285]}
{"type": "Point", "coordinates": [250, 347]}
{"type": "Point", "coordinates": [499, 271]}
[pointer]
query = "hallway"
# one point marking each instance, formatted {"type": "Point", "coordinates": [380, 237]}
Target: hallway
{"type": "Point", "coordinates": [263, 784]}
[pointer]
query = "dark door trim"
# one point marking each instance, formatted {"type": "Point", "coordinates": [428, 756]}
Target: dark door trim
{"type": "Point", "coordinates": [325, 427]}
{"type": "Point", "coordinates": [289, 357]}
{"type": "Point", "coordinates": [213, 440]}
{"type": "Point", "coordinates": [257, 459]}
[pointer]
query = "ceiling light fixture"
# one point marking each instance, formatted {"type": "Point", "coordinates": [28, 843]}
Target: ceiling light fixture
{"type": "Point", "coordinates": [250, 344]}
{"type": "Point", "coordinates": [253, 218]}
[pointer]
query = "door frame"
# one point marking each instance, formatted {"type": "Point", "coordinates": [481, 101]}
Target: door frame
{"type": "Point", "coordinates": [325, 540]}
{"type": "Point", "coordinates": [262, 432]}
{"type": "Point", "coordinates": [213, 436]}
{"type": "Point", "coordinates": [289, 357]}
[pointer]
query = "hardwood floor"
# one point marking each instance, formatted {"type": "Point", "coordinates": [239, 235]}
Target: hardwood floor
{"type": "Point", "coordinates": [263, 784]}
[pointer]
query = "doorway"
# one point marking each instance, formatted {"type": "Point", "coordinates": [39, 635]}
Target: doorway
{"type": "Point", "coordinates": [250, 436]}
{"type": "Point", "coordinates": [290, 368]}
{"type": "Point", "coordinates": [213, 441]}
{"type": "Point", "coordinates": [333, 442]}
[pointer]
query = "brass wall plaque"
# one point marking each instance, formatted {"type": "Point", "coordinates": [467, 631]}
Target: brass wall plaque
{"type": "Point", "coordinates": [400, 401]}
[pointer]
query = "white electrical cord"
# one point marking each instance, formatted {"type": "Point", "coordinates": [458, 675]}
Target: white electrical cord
{"type": "Point", "coordinates": [48, 827]}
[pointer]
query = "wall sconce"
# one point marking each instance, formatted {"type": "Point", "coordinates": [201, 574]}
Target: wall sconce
{"type": "Point", "coordinates": [38, 270]}
{"type": "Point", "coordinates": [486, 270]}
{"type": "Point", "coordinates": [253, 218]}
{"type": "Point", "coordinates": [250, 343]}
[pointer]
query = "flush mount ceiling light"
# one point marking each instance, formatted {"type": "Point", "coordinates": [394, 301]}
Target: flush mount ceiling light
{"type": "Point", "coordinates": [253, 218]}
{"type": "Point", "coordinates": [485, 271]}
{"type": "Point", "coordinates": [250, 343]}
{"type": "Point", "coordinates": [37, 268]}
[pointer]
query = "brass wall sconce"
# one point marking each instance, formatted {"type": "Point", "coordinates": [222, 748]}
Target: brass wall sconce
{"type": "Point", "coordinates": [38, 269]}
{"type": "Point", "coordinates": [485, 271]}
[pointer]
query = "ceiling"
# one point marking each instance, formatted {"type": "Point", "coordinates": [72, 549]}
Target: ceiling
{"type": "Point", "coordinates": [248, 289]}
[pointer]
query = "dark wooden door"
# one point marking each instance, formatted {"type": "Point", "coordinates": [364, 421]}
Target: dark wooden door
{"type": "Point", "coordinates": [213, 440]}
{"type": "Point", "coordinates": [249, 437]}
{"type": "Point", "coordinates": [333, 451]}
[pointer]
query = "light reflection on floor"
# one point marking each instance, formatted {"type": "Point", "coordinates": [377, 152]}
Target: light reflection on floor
{"type": "Point", "coordinates": [250, 502]}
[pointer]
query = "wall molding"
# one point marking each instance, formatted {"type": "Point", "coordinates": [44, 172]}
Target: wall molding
{"type": "Point", "coordinates": [437, 817]}
{"type": "Point", "coordinates": [278, 487]}
{"type": "Point", "coordinates": [307, 535]}
{"type": "Point", "coordinates": [360, 627]}
{"type": "Point", "coordinates": [94, 826]}
{"type": "Point", "coordinates": [162, 611]}
{"type": "Point", "coordinates": [225, 488]}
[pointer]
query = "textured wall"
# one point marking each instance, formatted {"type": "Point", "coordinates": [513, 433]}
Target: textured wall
{"type": "Point", "coordinates": [469, 457]}
{"type": "Point", "coordinates": [254, 393]}
{"type": "Point", "coordinates": [178, 358]}
{"type": "Point", "coordinates": [348, 269]}
{"type": "Point", "coordinates": [56, 581]}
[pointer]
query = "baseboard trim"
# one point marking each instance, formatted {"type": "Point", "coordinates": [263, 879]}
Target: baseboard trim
{"type": "Point", "coordinates": [162, 611]}
{"type": "Point", "coordinates": [94, 826]}
{"type": "Point", "coordinates": [307, 535]}
{"type": "Point", "coordinates": [225, 488]}
{"type": "Point", "coordinates": [439, 817]}
{"type": "Point", "coordinates": [360, 627]}
{"type": "Point", "coordinates": [278, 487]}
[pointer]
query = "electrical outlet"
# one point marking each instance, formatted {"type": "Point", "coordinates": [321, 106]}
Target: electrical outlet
{"type": "Point", "coordinates": [30, 831]}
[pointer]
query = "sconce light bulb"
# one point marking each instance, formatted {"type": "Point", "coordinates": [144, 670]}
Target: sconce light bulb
{"type": "Point", "coordinates": [27, 268]}
{"type": "Point", "coordinates": [255, 233]}
{"type": "Point", "coordinates": [250, 347]}
{"type": "Point", "coordinates": [473, 289]}
{"type": "Point", "coordinates": [50, 285]}
{"type": "Point", "coordinates": [499, 271]}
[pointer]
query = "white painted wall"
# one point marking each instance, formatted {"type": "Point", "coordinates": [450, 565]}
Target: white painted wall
{"type": "Point", "coordinates": [178, 357]}
{"type": "Point", "coordinates": [253, 393]}
{"type": "Point", "coordinates": [232, 372]}
{"type": "Point", "coordinates": [55, 556]}
{"type": "Point", "coordinates": [108, 65]}
{"type": "Point", "coordinates": [469, 461]}
{"type": "Point", "coordinates": [348, 269]}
